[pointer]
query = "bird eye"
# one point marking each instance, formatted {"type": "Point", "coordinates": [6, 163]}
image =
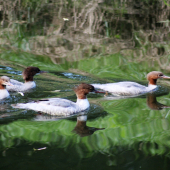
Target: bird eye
{"type": "Point", "coordinates": [160, 75]}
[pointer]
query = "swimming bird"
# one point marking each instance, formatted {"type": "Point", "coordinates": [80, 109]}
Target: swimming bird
{"type": "Point", "coordinates": [128, 88]}
{"type": "Point", "coordinates": [4, 81]}
{"type": "Point", "coordinates": [59, 106]}
{"type": "Point", "coordinates": [29, 83]}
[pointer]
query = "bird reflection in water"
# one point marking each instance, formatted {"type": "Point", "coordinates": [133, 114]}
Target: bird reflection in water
{"type": "Point", "coordinates": [82, 129]}
{"type": "Point", "coordinates": [153, 104]}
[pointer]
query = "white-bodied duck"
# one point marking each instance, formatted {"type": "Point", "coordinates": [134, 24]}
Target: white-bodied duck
{"type": "Point", "coordinates": [128, 88]}
{"type": "Point", "coordinates": [4, 81]}
{"type": "Point", "coordinates": [59, 106]}
{"type": "Point", "coordinates": [29, 83]}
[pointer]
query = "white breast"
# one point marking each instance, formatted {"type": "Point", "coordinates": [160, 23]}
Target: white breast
{"type": "Point", "coordinates": [4, 93]}
{"type": "Point", "coordinates": [83, 103]}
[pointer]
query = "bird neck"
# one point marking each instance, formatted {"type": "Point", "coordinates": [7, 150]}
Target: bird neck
{"type": "Point", "coordinates": [81, 95]}
{"type": "Point", "coordinates": [29, 80]}
{"type": "Point", "coordinates": [28, 77]}
{"type": "Point", "coordinates": [152, 81]}
{"type": "Point", "coordinates": [2, 87]}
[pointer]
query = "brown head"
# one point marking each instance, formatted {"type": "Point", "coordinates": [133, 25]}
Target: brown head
{"type": "Point", "coordinates": [154, 75]}
{"type": "Point", "coordinates": [83, 89]}
{"type": "Point", "coordinates": [30, 72]}
{"type": "Point", "coordinates": [4, 81]}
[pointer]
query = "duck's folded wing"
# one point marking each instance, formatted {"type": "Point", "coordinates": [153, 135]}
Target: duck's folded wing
{"type": "Point", "coordinates": [16, 85]}
{"type": "Point", "coordinates": [54, 106]}
{"type": "Point", "coordinates": [21, 87]}
{"type": "Point", "coordinates": [15, 82]}
{"type": "Point", "coordinates": [57, 102]}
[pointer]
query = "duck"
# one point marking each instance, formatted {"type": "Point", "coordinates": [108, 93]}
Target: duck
{"type": "Point", "coordinates": [60, 106]}
{"type": "Point", "coordinates": [4, 81]}
{"type": "Point", "coordinates": [128, 88]}
{"type": "Point", "coordinates": [82, 129]}
{"type": "Point", "coordinates": [29, 83]}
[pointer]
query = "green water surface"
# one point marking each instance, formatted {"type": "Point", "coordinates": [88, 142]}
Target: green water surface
{"type": "Point", "coordinates": [134, 130]}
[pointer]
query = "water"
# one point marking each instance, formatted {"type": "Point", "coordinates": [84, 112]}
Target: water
{"type": "Point", "coordinates": [120, 133]}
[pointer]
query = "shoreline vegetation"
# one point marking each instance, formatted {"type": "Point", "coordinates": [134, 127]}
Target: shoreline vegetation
{"type": "Point", "coordinates": [79, 29]}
